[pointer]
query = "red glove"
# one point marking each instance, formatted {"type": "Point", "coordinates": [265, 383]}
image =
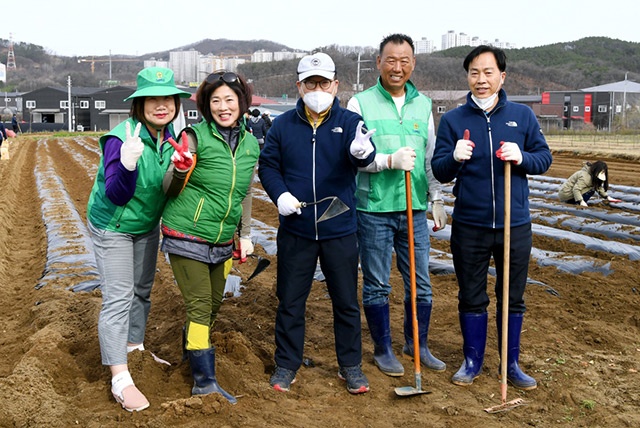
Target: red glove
{"type": "Point", "coordinates": [182, 157]}
{"type": "Point", "coordinates": [464, 148]}
{"type": "Point", "coordinates": [509, 151]}
{"type": "Point", "coordinates": [237, 255]}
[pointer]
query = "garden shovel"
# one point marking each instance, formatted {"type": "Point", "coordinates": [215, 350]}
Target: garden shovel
{"type": "Point", "coordinates": [336, 207]}
{"type": "Point", "coordinates": [504, 406]}
{"type": "Point", "coordinates": [406, 391]}
{"type": "Point", "coordinates": [260, 266]}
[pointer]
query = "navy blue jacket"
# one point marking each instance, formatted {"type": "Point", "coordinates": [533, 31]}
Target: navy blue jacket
{"type": "Point", "coordinates": [479, 182]}
{"type": "Point", "coordinates": [313, 165]}
{"type": "Point", "coordinates": [3, 132]}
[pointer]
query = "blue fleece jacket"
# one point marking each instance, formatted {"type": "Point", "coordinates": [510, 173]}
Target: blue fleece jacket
{"type": "Point", "coordinates": [313, 164]}
{"type": "Point", "coordinates": [479, 181]}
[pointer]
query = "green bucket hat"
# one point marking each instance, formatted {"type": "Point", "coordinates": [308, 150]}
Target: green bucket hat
{"type": "Point", "coordinates": [156, 82]}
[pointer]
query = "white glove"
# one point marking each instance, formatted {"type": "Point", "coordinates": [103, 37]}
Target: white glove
{"type": "Point", "coordinates": [132, 148]}
{"type": "Point", "coordinates": [404, 158]}
{"type": "Point", "coordinates": [583, 203]}
{"type": "Point", "coordinates": [439, 215]}
{"type": "Point", "coordinates": [509, 152]}
{"type": "Point", "coordinates": [464, 148]}
{"type": "Point", "coordinates": [361, 146]}
{"type": "Point", "coordinates": [246, 247]}
{"type": "Point", "coordinates": [288, 204]}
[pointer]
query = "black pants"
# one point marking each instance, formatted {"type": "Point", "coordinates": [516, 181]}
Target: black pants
{"type": "Point", "coordinates": [297, 259]}
{"type": "Point", "coordinates": [472, 249]}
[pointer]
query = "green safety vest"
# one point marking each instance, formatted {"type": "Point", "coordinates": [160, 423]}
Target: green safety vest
{"type": "Point", "coordinates": [385, 191]}
{"type": "Point", "coordinates": [142, 213]}
{"type": "Point", "coordinates": [210, 205]}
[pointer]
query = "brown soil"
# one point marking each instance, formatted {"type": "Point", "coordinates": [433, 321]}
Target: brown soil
{"type": "Point", "coordinates": [582, 346]}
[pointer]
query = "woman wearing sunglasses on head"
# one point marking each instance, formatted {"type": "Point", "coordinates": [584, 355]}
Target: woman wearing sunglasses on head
{"type": "Point", "coordinates": [209, 187]}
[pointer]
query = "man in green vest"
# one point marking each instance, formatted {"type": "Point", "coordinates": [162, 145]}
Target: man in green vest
{"type": "Point", "coordinates": [405, 138]}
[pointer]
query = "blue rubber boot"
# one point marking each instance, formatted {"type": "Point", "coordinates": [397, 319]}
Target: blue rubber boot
{"type": "Point", "coordinates": [424, 318]}
{"type": "Point", "coordinates": [203, 370]}
{"type": "Point", "coordinates": [515, 375]}
{"type": "Point", "coordinates": [383, 356]}
{"type": "Point", "coordinates": [474, 335]}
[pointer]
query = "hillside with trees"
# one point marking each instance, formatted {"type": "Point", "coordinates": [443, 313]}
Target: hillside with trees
{"type": "Point", "coordinates": [561, 66]}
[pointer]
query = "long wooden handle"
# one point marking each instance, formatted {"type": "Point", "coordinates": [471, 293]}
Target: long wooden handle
{"type": "Point", "coordinates": [412, 274]}
{"type": "Point", "coordinates": [505, 280]}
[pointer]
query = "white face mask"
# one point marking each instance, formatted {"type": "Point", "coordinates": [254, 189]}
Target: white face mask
{"type": "Point", "coordinates": [318, 101]}
{"type": "Point", "coordinates": [485, 103]}
{"type": "Point", "coordinates": [602, 176]}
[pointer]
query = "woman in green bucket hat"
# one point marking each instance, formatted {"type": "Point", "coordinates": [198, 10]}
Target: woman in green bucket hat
{"type": "Point", "coordinates": [124, 211]}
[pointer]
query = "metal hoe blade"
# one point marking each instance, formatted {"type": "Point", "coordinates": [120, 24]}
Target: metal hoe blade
{"type": "Point", "coordinates": [262, 265]}
{"type": "Point", "coordinates": [408, 391]}
{"type": "Point", "coordinates": [336, 207]}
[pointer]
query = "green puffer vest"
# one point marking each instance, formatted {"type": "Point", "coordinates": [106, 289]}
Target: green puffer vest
{"type": "Point", "coordinates": [142, 213]}
{"type": "Point", "coordinates": [210, 205]}
{"type": "Point", "coordinates": [385, 191]}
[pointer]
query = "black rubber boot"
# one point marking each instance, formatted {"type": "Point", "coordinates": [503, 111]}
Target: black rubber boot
{"type": "Point", "coordinates": [474, 334]}
{"type": "Point", "coordinates": [378, 322]}
{"type": "Point", "coordinates": [515, 375]}
{"type": "Point", "coordinates": [424, 318]}
{"type": "Point", "coordinates": [203, 370]}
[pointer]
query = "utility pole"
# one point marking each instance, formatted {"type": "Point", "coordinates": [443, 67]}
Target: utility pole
{"type": "Point", "coordinates": [69, 101]}
{"type": "Point", "coordinates": [358, 87]}
{"type": "Point", "coordinates": [624, 102]}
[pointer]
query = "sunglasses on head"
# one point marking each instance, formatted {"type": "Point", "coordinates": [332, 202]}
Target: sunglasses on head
{"type": "Point", "coordinates": [225, 76]}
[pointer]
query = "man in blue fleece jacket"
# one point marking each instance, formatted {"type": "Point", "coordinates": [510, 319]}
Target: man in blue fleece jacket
{"type": "Point", "coordinates": [473, 142]}
{"type": "Point", "coordinates": [312, 153]}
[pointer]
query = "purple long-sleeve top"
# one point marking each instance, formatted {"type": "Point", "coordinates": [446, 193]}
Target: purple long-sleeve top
{"type": "Point", "coordinates": [120, 183]}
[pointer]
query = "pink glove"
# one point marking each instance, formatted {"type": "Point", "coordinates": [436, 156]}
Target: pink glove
{"type": "Point", "coordinates": [464, 148]}
{"type": "Point", "coordinates": [182, 157]}
{"type": "Point", "coordinates": [509, 152]}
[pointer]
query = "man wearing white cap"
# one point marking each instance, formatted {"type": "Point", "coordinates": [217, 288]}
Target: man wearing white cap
{"type": "Point", "coordinates": [312, 154]}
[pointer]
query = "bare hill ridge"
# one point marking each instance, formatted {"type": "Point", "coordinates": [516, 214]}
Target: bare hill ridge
{"type": "Point", "coordinates": [571, 65]}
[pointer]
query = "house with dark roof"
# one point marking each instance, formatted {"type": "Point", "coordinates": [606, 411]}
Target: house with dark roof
{"type": "Point", "coordinates": [598, 106]}
{"type": "Point", "coordinates": [48, 109]}
{"type": "Point", "coordinates": [95, 109]}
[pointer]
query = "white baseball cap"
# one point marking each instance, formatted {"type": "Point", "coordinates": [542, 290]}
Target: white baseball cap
{"type": "Point", "coordinates": [319, 64]}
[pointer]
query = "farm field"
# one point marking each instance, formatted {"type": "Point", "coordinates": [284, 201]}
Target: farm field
{"type": "Point", "coordinates": [581, 338]}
